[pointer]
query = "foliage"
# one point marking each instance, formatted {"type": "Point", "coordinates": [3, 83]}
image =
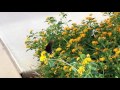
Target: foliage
{"type": "Point", "coordinates": [86, 50]}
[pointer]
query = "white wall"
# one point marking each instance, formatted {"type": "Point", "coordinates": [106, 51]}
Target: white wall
{"type": "Point", "coordinates": [14, 26]}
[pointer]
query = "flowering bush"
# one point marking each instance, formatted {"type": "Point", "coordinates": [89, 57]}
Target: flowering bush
{"type": "Point", "coordinates": [86, 50]}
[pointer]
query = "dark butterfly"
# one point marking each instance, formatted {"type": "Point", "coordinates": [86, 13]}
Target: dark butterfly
{"type": "Point", "coordinates": [49, 47]}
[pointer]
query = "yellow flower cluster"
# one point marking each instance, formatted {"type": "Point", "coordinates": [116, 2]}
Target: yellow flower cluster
{"type": "Point", "coordinates": [94, 42]}
{"type": "Point", "coordinates": [58, 49]}
{"type": "Point", "coordinates": [102, 59]}
{"type": "Point", "coordinates": [86, 61]}
{"type": "Point", "coordinates": [43, 57]}
{"type": "Point", "coordinates": [81, 70]}
{"type": "Point", "coordinates": [117, 52]}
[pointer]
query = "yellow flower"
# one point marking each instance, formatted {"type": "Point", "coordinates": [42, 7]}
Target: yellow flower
{"type": "Point", "coordinates": [97, 48]}
{"type": "Point", "coordinates": [78, 39]}
{"type": "Point", "coordinates": [102, 59]}
{"type": "Point", "coordinates": [64, 33]}
{"type": "Point", "coordinates": [118, 52]}
{"type": "Point", "coordinates": [74, 24]}
{"type": "Point", "coordinates": [114, 56]}
{"type": "Point", "coordinates": [42, 58]}
{"type": "Point", "coordinates": [95, 53]}
{"type": "Point", "coordinates": [52, 68]}
{"type": "Point", "coordinates": [43, 53]}
{"type": "Point", "coordinates": [74, 29]}
{"type": "Point", "coordinates": [46, 62]}
{"type": "Point", "coordinates": [78, 58]}
{"type": "Point", "coordinates": [58, 49]}
{"type": "Point", "coordinates": [68, 45]}
{"type": "Point", "coordinates": [89, 18]}
{"type": "Point", "coordinates": [109, 33]}
{"type": "Point", "coordinates": [79, 52]}
{"type": "Point", "coordinates": [98, 29]}
{"type": "Point", "coordinates": [62, 52]}
{"type": "Point", "coordinates": [67, 75]}
{"type": "Point", "coordinates": [55, 71]}
{"type": "Point", "coordinates": [81, 70]}
{"type": "Point", "coordinates": [70, 69]}
{"type": "Point", "coordinates": [104, 50]}
{"type": "Point", "coordinates": [66, 28]}
{"type": "Point", "coordinates": [88, 55]}
{"type": "Point", "coordinates": [71, 41]}
{"type": "Point", "coordinates": [51, 55]}
{"type": "Point", "coordinates": [73, 50]}
{"type": "Point", "coordinates": [116, 49]}
{"type": "Point", "coordinates": [104, 33]}
{"type": "Point", "coordinates": [65, 68]}
{"type": "Point", "coordinates": [118, 30]}
{"type": "Point", "coordinates": [80, 47]}
{"type": "Point", "coordinates": [85, 30]}
{"type": "Point", "coordinates": [94, 42]}
{"type": "Point", "coordinates": [86, 61]}
{"type": "Point", "coordinates": [82, 35]}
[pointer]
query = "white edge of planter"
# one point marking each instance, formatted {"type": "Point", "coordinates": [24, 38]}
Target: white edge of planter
{"type": "Point", "coordinates": [13, 59]}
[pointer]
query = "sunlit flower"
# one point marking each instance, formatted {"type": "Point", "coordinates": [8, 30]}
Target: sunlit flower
{"type": "Point", "coordinates": [95, 53]}
{"type": "Point", "coordinates": [94, 42]}
{"type": "Point", "coordinates": [66, 28]}
{"type": "Point", "coordinates": [116, 49]}
{"type": "Point", "coordinates": [71, 41]}
{"type": "Point", "coordinates": [85, 30]}
{"type": "Point", "coordinates": [104, 50]}
{"type": "Point", "coordinates": [65, 68]}
{"type": "Point", "coordinates": [74, 28]}
{"type": "Point", "coordinates": [70, 69]}
{"type": "Point", "coordinates": [89, 18]}
{"type": "Point", "coordinates": [102, 59]}
{"type": "Point", "coordinates": [73, 50]}
{"type": "Point", "coordinates": [109, 33]}
{"type": "Point", "coordinates": [67, 75]}
{"type": "Point", "coordinates": [58, 49]}
{"type": "Point", "coordinates": [81, 70]}
{"type": "Point", "coordinates": [68, 45]}
{"type": "Point", "coordinates": [74, 24]}
{"type": "Point", "coordinates": [86, 60]}
{"type": "Point", "coordinates": [42, 58]}
{"type": "Point", "coordinates": [98, 29]}
{"type": "Point", "coordinates": [118, 29]}
{"type": "Point", "coordinates": [51, 55]}
{"type": "Point", "coordinates": [104, 33]}
{"type": "Point", "coordinates": [83, 35]}
{"type": "Point", "coordinates": [62, 52]}
{"type": "Point", "coordinates": [118, 52]}
{"type": "Point", "coordinates": [64, 33]}
{"type": "Point", "coordinates": [46, 62]}
{"type": "Point", "coordinates": [78, 39]}
{"type": "Point", "coordinates": [43, 53]}
{"type": "Point", "coordinates": [78, 58]}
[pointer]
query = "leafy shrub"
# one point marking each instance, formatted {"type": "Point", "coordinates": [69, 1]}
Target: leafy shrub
{"type": "Point", "coordinates": [86, 50]}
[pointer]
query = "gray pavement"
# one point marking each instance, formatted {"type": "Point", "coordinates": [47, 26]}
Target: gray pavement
{"type": "Point", "coordinates": [7, 68]}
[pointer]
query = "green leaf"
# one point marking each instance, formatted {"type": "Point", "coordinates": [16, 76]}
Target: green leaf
{"type": "Point", "coordinates": [51, 63]}
{"type": "Point", "coordinates": [82, 56]}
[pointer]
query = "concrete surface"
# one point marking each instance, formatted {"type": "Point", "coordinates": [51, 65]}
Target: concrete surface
{"type": "Point", "coordinates": [7, 69]}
